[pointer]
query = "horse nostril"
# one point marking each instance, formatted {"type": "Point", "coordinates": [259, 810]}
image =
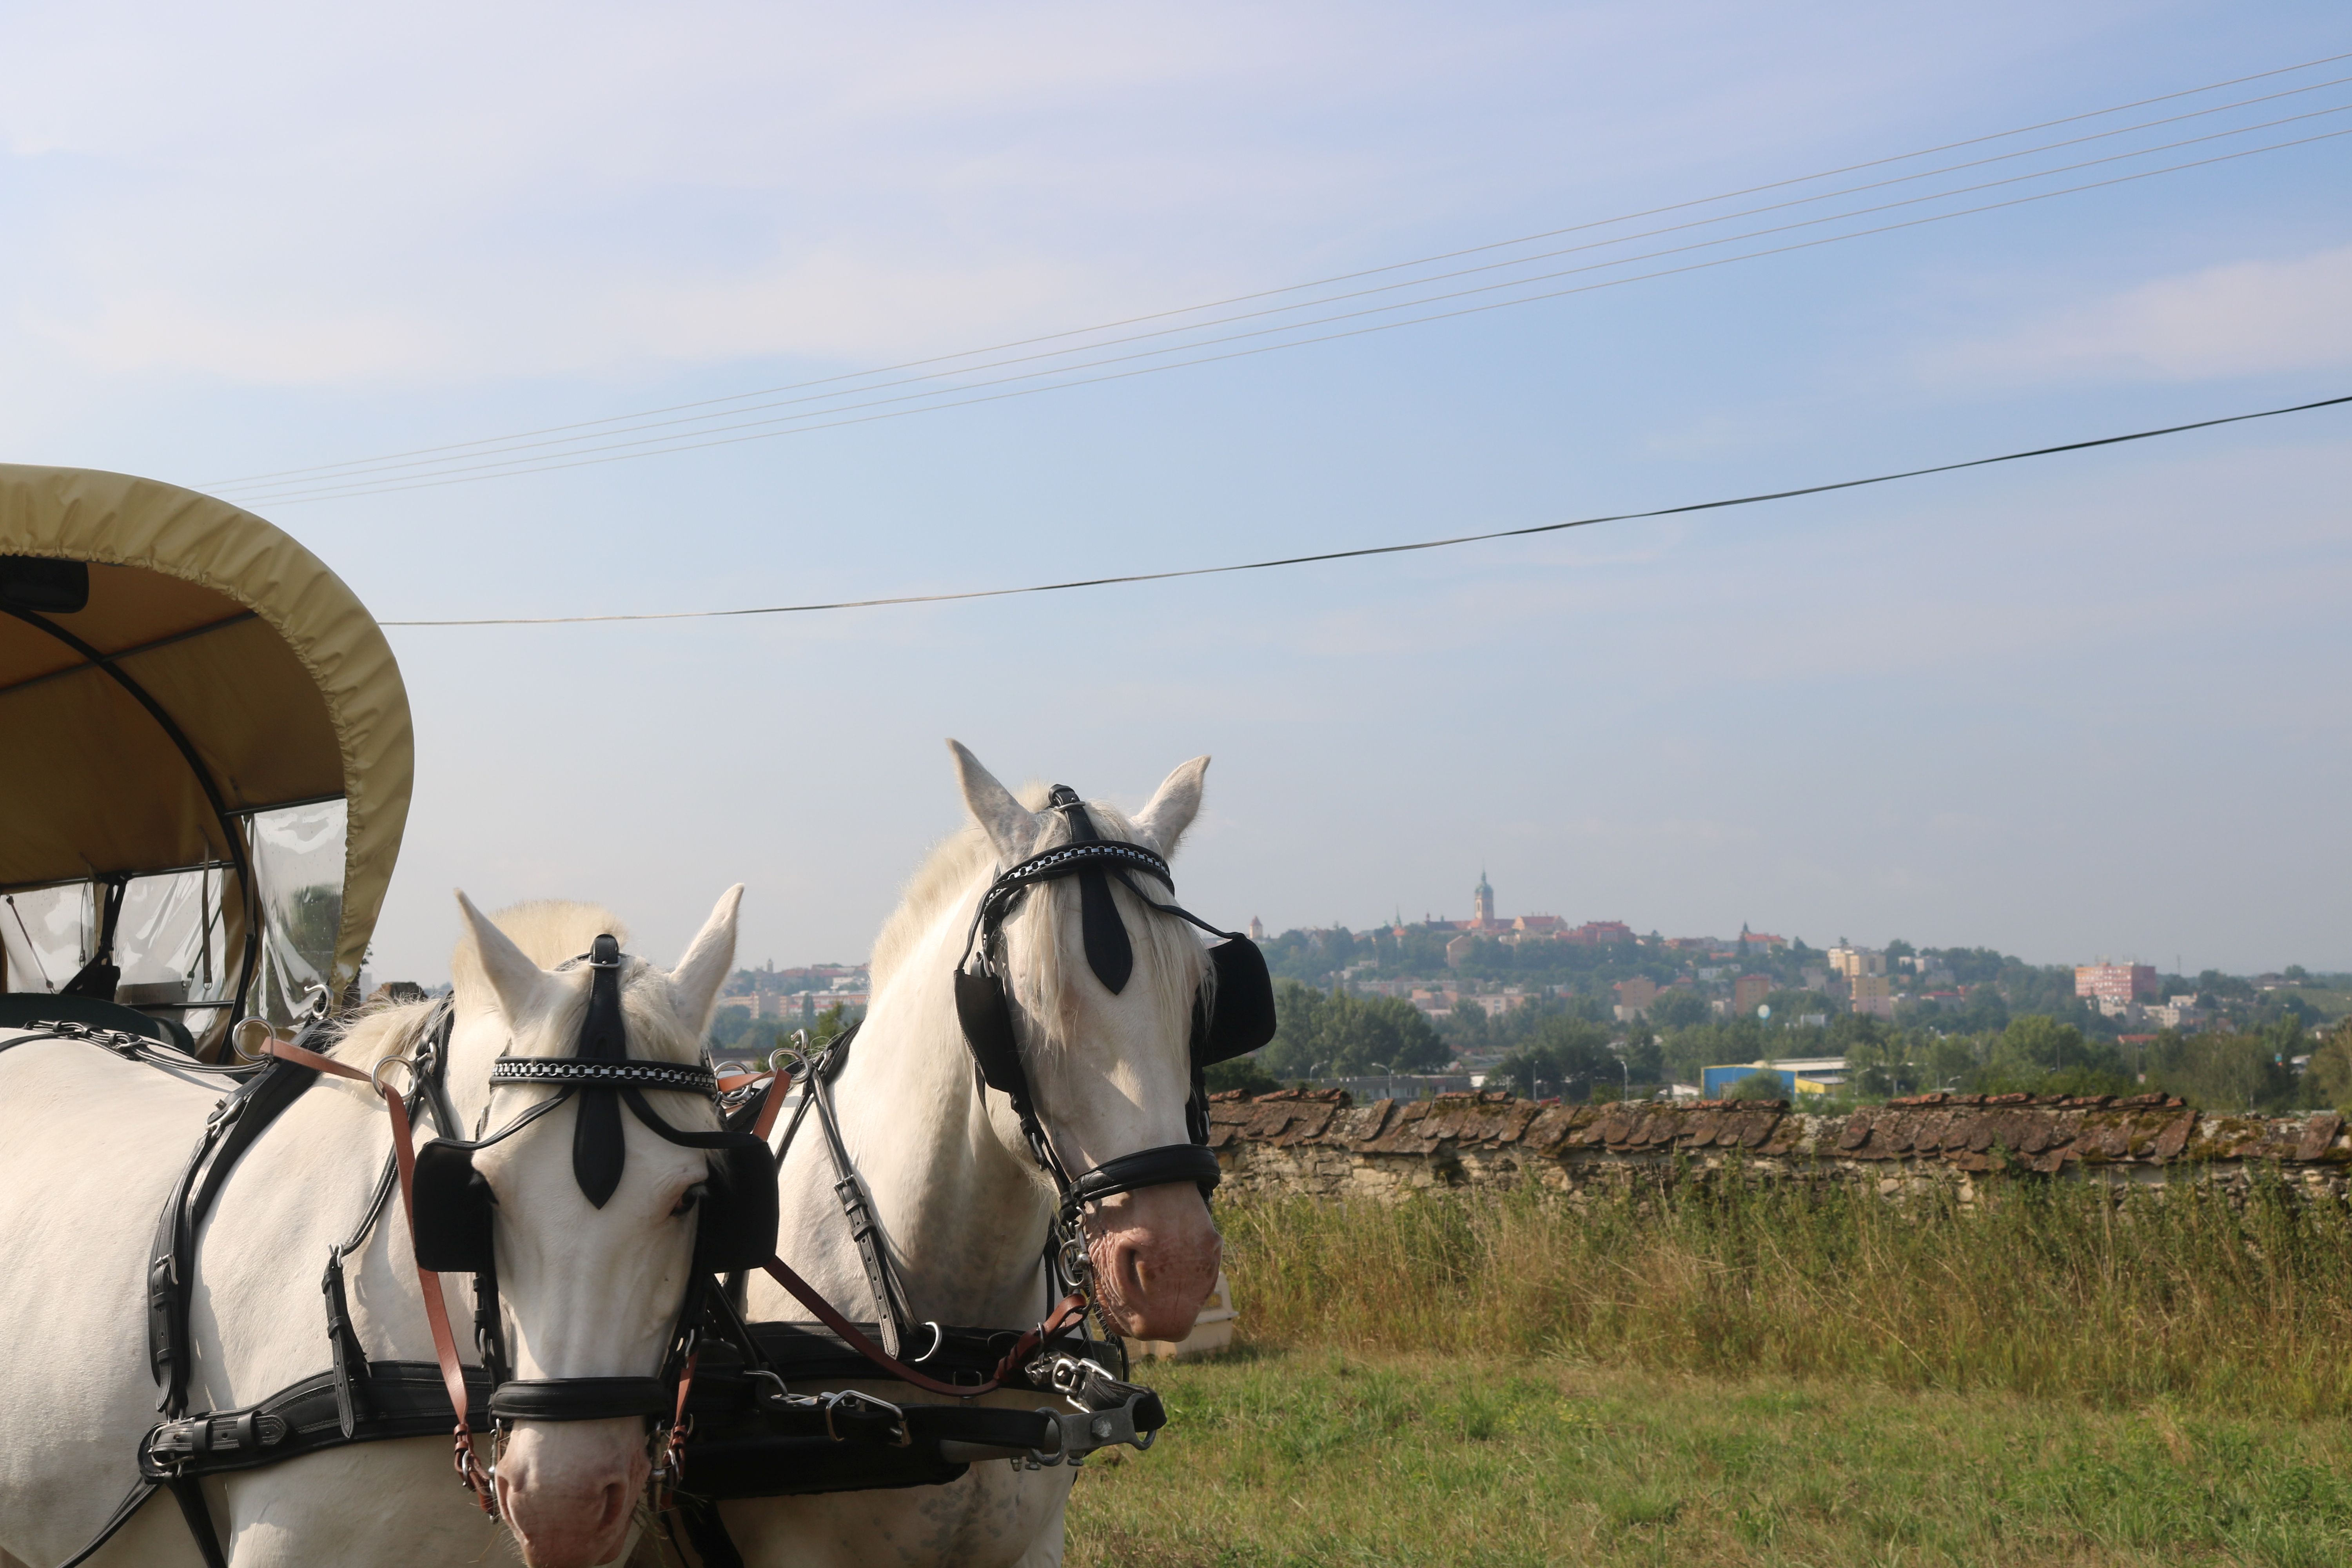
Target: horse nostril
{"type": "Point", "coordinates": [1127, 1265]}
{"type": "Point", "coordinates": [614, 1501]}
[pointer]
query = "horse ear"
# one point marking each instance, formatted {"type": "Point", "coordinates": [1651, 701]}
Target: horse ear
{"type": "Point", "coordinates": [1171, 810]}
{"type": "Point", "coordinates": [710, 958]}
{"type": "Point", "coordinates": [512, 975]}
{"type": "Point", "coordinates": [1010, 826]}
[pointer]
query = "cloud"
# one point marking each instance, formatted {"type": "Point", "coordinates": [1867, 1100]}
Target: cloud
{"type": "Point", "coordinates": [2247, 318]}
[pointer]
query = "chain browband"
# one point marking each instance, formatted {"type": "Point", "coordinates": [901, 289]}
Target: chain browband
{"type": "Point", "coordinates": [1054, 864]}
{"type": "Point", "coordinates": [699, 1080]}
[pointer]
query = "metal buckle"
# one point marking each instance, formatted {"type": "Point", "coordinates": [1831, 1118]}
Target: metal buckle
{"type": "Point", "coordinates": [171, 1445]}
{"type": "Point", "coordinates": [899, 1436]}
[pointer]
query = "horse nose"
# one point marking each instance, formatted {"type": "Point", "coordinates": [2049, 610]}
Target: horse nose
{"type": "Point", "coordinates": [1156, 1258]}
{"type": "Point", "coordinates": [567, 1494]}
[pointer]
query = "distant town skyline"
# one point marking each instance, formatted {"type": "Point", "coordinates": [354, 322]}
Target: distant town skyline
{"type": "Point", "coordinates": [1488, 918]}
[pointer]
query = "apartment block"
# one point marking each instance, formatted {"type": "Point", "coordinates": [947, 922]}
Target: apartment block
{"type": "Point", "coordinates": [1873, 993]}
{"type": "Point", "coordinates": [1748, 993]}
{"type": "Point", "coordinates": [2116, 985]}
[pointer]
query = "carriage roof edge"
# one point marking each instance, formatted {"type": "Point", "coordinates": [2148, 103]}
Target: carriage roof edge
{"type": "Point", "coordinates": [262, 747]}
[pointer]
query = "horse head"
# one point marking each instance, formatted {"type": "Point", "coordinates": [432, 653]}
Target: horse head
{"type": "Point", "coordinates": [592, 1214]}
{"type": "Point", "coordinates": [1103, 987]}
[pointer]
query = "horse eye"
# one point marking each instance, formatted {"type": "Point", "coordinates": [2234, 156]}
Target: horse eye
{"type": "Point", "coordinates": [688, 1198]}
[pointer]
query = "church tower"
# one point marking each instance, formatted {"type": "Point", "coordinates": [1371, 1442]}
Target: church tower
{"type": "Point", "coordinates": [1482, 899]}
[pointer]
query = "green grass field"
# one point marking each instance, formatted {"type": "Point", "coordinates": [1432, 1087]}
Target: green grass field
{"type": "Point", "coordinates": [1762, 1377]}
{"type": "Point", "coordinates": [1295, 1457]}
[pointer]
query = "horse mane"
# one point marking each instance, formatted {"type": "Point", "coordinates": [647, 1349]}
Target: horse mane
{"type": "Point", "coordinates": [1166, 950]}
{"type": "Point", "coordinates": [952, 863]}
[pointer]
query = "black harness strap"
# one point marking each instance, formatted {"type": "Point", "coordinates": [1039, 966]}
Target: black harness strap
{"type": "Point", "coordinates": [350, 1359]}
{"type": "Point", "coordinates": [597, 1151]}
{"type": "Point", "coordinates": [124, 1511]}
{"type": "Point", "coordinates": [239, 1119]}
{"type": "Point", "coordinates": [406, 1399]}
{"type": "Point", "coordinates": [895, 1319]}
{"type": "Point", "coordinates": [189, 1493]}
{"type": "Point", "coordinates": [1108, 952]}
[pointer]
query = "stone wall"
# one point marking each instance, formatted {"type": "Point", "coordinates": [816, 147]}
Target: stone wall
{"type": "Point", "coordinates": [1317, 1142]}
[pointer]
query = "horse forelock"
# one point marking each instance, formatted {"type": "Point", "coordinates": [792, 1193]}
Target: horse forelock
{"type": "Point", "coordinates": [1042, 934]}
{"type": "Point", "coordinates": [551, 931]}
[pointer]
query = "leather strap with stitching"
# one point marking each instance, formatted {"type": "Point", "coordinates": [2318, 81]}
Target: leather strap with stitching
{"type": "Point", "coordinates": [466, 1462]}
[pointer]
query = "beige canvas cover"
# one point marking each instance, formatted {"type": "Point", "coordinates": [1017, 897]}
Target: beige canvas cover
{"type": "Point", "coordinates": [275, 673]}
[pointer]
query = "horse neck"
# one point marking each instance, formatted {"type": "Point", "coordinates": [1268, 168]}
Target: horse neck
{"type": "Point", "coordinates": [966, 1215]}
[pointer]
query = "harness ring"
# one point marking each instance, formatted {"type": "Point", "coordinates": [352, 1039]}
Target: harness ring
{"type": "Point", "coordinates": [236, 1036]}
{"type": "Point", "coordinates": [376, 1073]}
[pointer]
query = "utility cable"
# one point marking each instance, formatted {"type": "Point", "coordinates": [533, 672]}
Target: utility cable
{"type": "Point", "coordinates": [759, 430]}
{"type": "Point", "coordinates": [328, 469]}
{"type": "Point", "coordinates": [1371, 549]}
{"type": "Point", "coordinates": [357, 477]}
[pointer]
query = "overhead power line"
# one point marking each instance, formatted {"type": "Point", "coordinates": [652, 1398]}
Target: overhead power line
{"type": "Point", "coordinates": [846, 415]}
{"type": "Point", "coordinates": [372, 478]}
{"type": "Point", "coordinates": [373, 475]}
{"type": "Point", "coordinates": [1371, 549]}
{"type": "Point", "coordinates": [850, 415]}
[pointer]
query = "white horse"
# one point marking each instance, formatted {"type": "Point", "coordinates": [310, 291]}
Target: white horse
{"type": "Point", "coordinates": [90, 1146]}
{"type": "Point", "coordinates": [964, 1206]}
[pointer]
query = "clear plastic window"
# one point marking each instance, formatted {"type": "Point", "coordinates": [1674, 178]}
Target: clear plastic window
{"type": "Point", "coordinates": [47, 934]}
{"type": "Point", "coordinates": [297, 863]}
{"type": "Point", "coordinates": [171, 945]}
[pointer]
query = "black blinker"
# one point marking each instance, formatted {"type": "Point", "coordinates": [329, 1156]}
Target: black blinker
{"type": "Point", "coordinates": [598, 1150]}
{"type": "Point", "coordinates": [735, 1224]}
{"type": "Point", "coordinates": [1244, 1018]}
{"type": "Point", "coordinates": [453, 1210]}
{"type": "Point", "coordinates": [987, 1021]}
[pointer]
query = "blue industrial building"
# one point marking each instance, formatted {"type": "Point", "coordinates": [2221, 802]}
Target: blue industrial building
{"type": "Point", "coordinates": [1810, 1075]}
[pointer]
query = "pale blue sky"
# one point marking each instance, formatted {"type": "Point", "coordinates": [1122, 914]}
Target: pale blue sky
{"type": "Point", "coordinates": [2093, 706]}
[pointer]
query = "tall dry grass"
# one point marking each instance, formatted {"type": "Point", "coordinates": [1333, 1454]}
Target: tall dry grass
{"type": "Point", "coordinates": [2041, 1289]}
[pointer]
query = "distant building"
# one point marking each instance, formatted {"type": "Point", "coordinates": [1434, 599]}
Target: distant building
{"type": "Point", "coordinates": [1258, 931]}
{"type": "Point", "coordinates": [1873, 994]}
{"type": "Point", "coordinates": [1851, 961]}
{"type": "Point", "coordinates": [1485, 922]}
{"type": "Point", "coordinates": [2121, 984]}
{"type": "Point", "coordinates": [1456, 950]}
{"type": "Point", "coordinates": [1810, 1075]}
{"type": "Point", "coordinates": [1637, 993]}
{"type": "Point", "coordinates": [1763, 939]}
{"type": "Point", "coordinates": [1748, 993]}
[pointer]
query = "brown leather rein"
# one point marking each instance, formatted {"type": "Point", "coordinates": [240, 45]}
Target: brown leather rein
{"type": "Point", "coordinates": [468, 1463]}
{"type": "Point", "coordinates": [1066, 1313]}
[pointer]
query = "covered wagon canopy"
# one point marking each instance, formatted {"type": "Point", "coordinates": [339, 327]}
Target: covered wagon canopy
{"type": "Point", "coordinates": [215, 670]}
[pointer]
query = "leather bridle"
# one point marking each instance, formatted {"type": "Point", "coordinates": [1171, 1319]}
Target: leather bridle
{"type": "Point", "coordinates": [1234, 1018]}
